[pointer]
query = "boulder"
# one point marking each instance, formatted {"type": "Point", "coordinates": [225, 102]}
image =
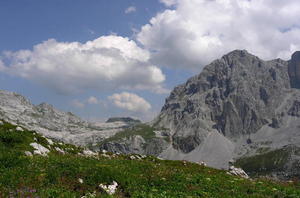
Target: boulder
{"type": "Point", "coordinates": [39, 149]}
{"type": "Point", "coordinates": [19, 129]}
{"type": "Point", "coordinates": [237, 172]}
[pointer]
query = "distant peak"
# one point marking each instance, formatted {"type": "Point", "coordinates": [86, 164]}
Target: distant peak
{"type": "Point", "coordinates": [123, 119]}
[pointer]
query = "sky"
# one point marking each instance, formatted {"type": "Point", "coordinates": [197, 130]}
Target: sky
{"type": "Point", "coordinates": [107, 58]}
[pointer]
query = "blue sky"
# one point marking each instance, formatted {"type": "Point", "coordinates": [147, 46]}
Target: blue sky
{"type": "Point", "coordinates": [27, 23]}
{"type": "Point", "coordinates": [98, 60]}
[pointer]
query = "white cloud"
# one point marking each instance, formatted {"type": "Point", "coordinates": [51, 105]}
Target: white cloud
{"type": "Point", "coordinates": [109, 62]}
{"type": "Point", "coordinates": [92, 100]}
{"type": "Point", "coordinates": [130, 102]}
{"type": "Point", "coordinates": [130, 9]}
{"type": "Point", "coordinates": [196, 32]}
{"type": "Point", "coordinates": [77, 104]}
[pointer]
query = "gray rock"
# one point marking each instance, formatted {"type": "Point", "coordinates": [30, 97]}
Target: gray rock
{"type": "Point", "coordinates": [39, 149]}
{"type": "Point", "coordinates": [294, 70]}
{"type": "Point", "coordinates": [237, 172]}
{"type": "Point", "coordinates": [19, 129]}
{"type": "Point", "coordinates": [28, 153]}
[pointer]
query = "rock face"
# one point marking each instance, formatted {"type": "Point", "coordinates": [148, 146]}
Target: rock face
{"type": "Point", "coordinates": [51, 122]}
{"type": "Point", "coordinates": [294, 70]}
{"type": "Point", "coordinates": [236, 106]}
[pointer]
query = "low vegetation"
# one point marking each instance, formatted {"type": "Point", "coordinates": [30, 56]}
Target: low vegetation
{"type": "Point", "coordinates": [74, 174]}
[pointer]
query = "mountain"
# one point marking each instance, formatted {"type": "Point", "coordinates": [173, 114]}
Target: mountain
{"type": "Point", "coordinates": [51, 122]}
{"type": "Point", "coordinates": [239, 109]}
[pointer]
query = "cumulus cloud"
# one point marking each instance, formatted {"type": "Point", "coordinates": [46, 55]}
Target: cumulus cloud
{"type": "Point", "coordinates": [130, 9]}
{"type": "Point", "coordinates": [92, 100]}
{"type": "Point", "coordinates": [130, 102]}
{"type": "Point", "coordinates": [108, 62]}
{"type": "Point", "coordinates": [194, 32]}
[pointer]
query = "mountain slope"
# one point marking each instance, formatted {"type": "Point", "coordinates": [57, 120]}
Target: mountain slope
{"type": "Point", "coordinates": [71, 171]}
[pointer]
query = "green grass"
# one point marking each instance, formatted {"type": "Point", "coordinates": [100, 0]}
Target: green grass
{"type": "Point", "coordinates": [57, 175]}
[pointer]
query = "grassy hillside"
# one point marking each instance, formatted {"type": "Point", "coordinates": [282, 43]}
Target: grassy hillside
{"type": "Point", "coordinates": [74, 175]}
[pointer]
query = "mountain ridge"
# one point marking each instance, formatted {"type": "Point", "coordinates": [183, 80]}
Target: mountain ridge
{"type": "Point", "coordinates": [51, 122]}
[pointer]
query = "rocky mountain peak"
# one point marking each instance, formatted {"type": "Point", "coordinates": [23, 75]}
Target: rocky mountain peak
{"type": "Point", "coordinates": [294, 70]}
{"type": "Point", "coordinates": [236, 54]}
{"type": "Point", "coordinates": [230, 101]}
